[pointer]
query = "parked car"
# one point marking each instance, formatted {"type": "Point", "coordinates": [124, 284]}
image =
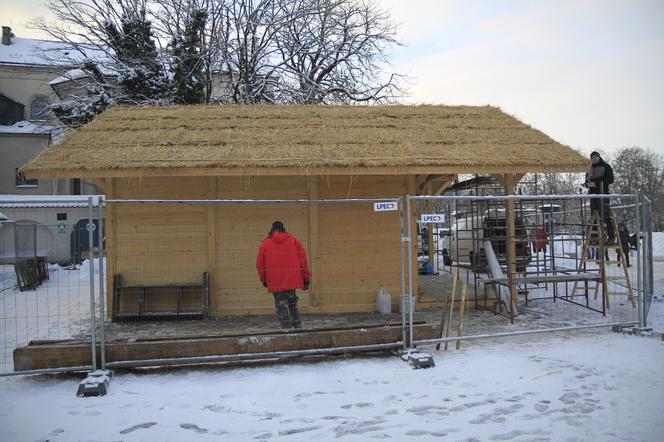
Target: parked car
{"type": "Point", "coordinates": [465, 243]}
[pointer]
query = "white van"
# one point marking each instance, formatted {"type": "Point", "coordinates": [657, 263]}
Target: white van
{"type": "Point", "coordinates": [463, 247]}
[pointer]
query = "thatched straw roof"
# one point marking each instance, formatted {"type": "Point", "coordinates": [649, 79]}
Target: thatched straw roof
{"type": "Point", "coordinates": [207, 140]}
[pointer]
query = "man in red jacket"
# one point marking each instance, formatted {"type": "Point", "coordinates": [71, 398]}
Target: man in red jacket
{"type": "Point", "coordinates": [282, 268]}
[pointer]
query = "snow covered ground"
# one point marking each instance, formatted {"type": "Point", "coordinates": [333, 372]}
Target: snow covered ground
{"type": "Point", "coordinates": [576, 386]}
{"type": "Point", "coordinates": [572, 387]}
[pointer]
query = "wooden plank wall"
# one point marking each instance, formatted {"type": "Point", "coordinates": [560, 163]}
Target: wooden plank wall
{"type": "Point", "coordinates": [352, 250]}
{"type": "Point", "coordinates": [159, 244]}
{"type": "Point", "coordinates": [359, 248]}
{"type": "Point", "coordinates": [240, 230]}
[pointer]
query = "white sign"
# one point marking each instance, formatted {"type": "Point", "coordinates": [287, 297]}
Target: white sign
{"type": "Point", "coordinates": [386, 206]}
{"type": "Point", "coordinates": [87, 227]}
{"type": "Point", "coordinates": [432, 218]}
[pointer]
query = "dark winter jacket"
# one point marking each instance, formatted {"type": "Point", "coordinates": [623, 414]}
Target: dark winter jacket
{"type": "Point", "coordinates": [282, 263]}
{"type": "Point", "coordinates": [602, 175]}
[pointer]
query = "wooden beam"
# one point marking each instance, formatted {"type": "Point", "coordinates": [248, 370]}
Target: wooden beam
{"type": "Point", "coordinates": [421, 181]}
{"type": "Point", "coordinates": [211, 245]}
{"type": "Point", "coordinates": [422, 186]}
{"type": "Point", "coordinates": [314, 244]}
{"type": "Point", "coordinates": [430, 229]}
{"type": "Point", "coordinates": [100, 183]}
{"type": "Point", "coordinates": [110, 223]}
{"type": "Point", "coordinates": [411, 188]}
{"type": "Point", "coordinates": [75, 354]}
{"type": "Point", "coordinates": [298, 171]}
{"type": "Point", "coordinates": [508, 182]}
{"type": "Point", "coordinates": [513, 178]}
{"type": "Point", "coordinates": [443, 187]}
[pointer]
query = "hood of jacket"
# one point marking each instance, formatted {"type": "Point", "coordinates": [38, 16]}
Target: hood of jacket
{"type": "Point", "coordinates": [280, 237]}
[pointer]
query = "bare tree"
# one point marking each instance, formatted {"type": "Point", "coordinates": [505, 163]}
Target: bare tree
{"type": "Point", "coordinates": [551, 183]}
{"type": "Point", "coordinates": [334, 51]}
{"type": "Point", "coordinates": [251, 51]}
{"type": "Point", "coordinates": [248, 51]}
{"type": "Point", "coordinates": [642, 170]}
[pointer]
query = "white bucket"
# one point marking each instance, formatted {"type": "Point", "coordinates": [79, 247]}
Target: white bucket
{"type": "Point", "coordinates": [383, 302]}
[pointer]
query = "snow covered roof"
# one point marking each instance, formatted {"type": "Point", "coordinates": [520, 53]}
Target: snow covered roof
{"type": "Point", "coordinates": [26, 127]}
{"type": "Point", "coordinates": [274, 139]}
{"type": "Point", "coordinates": [46, 201]}
{"type": "Point", "coordinates": [78, 74]}
{"type": "Point", "coordinates": [33, 52]}
{"type": "Point", "coordinates": [72, 74]}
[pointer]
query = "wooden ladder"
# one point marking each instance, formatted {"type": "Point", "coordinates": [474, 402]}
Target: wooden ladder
{"type": "Point", "coordinates": [596, 240]}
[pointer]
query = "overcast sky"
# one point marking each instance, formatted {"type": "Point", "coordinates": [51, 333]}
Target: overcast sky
{"type": "Point", "coordinates": [589, 74]}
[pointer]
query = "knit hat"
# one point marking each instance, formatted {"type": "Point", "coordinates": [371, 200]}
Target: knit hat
{"type": "Point", "coordinates": [277, 226]}
{"type": "Point", "coordinates": [594, 153]}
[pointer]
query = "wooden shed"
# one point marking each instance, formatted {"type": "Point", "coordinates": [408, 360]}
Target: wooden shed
{"type": "Point", "coordinates": [283, 152]}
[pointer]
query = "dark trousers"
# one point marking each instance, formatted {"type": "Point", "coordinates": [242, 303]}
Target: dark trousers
{"type": "Point", "coordinates": [602, 207]}
{"type": "Point", "coordinates": [626, 253]}
{"type": "Point", "coordinates": [286, 304]}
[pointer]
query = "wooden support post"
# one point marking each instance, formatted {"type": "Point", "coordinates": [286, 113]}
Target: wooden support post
{"type": "Point", "coordinates": [449, 318]}
{"type": "Point", "coordinates": [462, 310]}
{"type": "Point", "coordinates": [508, 182]}
{"type": "Point", "coordinates": [411, 187]}
{"type": "Point", "coordinates": [314, 245]}
{"type": "Point", "coordinates": [443, 329]}
{"type": "Point", "coordinates": [211, 245]}
{"type": "Point", "coordinates": [110, 215]}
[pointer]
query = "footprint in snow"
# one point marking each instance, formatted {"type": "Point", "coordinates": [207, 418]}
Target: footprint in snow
{"type": "Point", "coordinates": [542, 406]}
{"type": "Point", "coordinates": [193, 427]}
{"type": "Point", "coordinates": [138, 427]}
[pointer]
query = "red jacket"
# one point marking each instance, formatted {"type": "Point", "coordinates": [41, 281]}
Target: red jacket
{"type": "Point", "coordinates": [282, 263]}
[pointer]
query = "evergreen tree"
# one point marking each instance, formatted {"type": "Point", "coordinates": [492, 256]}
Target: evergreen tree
{"type": "Point", "coordinates": [187, 65]}
{"type": "Point", "coordinates": [76, 111]}
{"type": "Point", "coordinates": [141, 76]}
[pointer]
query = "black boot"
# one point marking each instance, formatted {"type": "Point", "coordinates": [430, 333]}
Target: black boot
{"type": "Point", "coordinates": [296, 322]}
{"type": "Point", "coordinates": [282, 313]}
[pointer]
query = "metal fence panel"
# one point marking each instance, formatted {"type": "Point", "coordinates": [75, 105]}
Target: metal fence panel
{"type": "Point", "coordinates": [561, 270]}
{"type": "Point", "coordinates": [187, 269]}
{"type": "Point", "coordinates": [44, 297]}
{"type": "Point", "coordinates": [646, 242]}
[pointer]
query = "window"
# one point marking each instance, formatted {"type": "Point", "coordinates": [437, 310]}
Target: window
{"type": "Point", "coordinates": [21, 181]}
{"type": "Point", "coordinates": [39, 109]}
{"type": "Point", "coordinates": [62, 216]}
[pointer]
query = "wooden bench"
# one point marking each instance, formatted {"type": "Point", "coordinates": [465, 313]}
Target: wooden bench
{"type": "Point", "coordinates": [188, 301]}
{"type": "Point", "coordinates": [31, 272]}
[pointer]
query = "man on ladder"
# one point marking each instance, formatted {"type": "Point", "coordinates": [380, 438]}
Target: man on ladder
{"type": "Point", "coordinates": [598, 179]}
